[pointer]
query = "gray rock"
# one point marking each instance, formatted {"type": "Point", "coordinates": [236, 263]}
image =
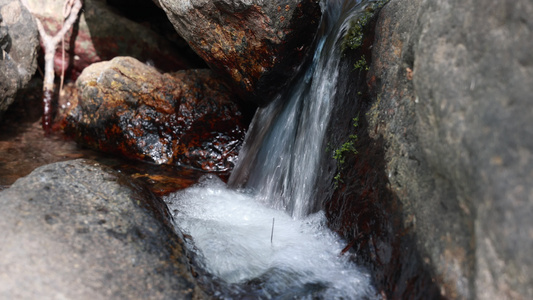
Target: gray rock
{"type": "Point", "coordinates": [77, 230]}
{"type": "Point", "coordinates": [256, 44]}
{"type": "Point", "coordinates": [19, 41]}
{"type": "Point", "coordinates": [454, 81]}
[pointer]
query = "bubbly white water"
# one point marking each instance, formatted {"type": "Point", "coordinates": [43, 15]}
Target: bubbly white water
{"type": "Point", "coordinates": [232, 233]}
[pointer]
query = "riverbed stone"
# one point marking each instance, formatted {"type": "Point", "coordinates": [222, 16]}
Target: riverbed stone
{"type": "Point", "coordinates": [79, 230]}
{"type": "Point", "coordinates": [188, 118]}
{"type": "Point", "coordinates": [256, 45]}
{"type": "Point", "coordinates": [102, 33]}
{"type": "Point", "coordinates": [451, 84]}
{"type": "Point", "coordinates": [19, 42]}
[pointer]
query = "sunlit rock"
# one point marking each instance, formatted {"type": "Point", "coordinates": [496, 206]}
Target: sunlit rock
{"type": "Point", "coordinates": [256, 44]}
{"type": "Point", "coordinates": [128, 108]}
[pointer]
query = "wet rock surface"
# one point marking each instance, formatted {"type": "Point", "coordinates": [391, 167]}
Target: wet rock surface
{"type": "Point", "coordinates": [185, 118]}
{"type": "Point", "coordinates": [19, 42]}
{"type": "Point", "coordinates": [445, 132]}
{"type": "Point", "coordinates": [257, 45]}
{"type": "Point", "coordinates": [79, 230]}
{"type": "Point", "coordinates": [24, 148]}
{"type": "Point", "coordinates": [102, 33]}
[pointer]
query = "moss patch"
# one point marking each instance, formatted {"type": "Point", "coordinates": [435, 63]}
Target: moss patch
{"type": "Point", "coordinates": [354, 37]}
{"type": "Point", "coordinates": [340, 154]}
{"type": "Point", "coordinates": [361, 64]}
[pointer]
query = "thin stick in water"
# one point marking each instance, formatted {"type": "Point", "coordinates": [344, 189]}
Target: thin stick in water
{"type": "Point", "coordinates": [272, 233]}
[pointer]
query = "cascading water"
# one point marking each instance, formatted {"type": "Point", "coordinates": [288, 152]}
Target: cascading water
{"type": "Point", "coordinates": [281, 155]}
{"type": "Point", "coordinates": [262, 234]}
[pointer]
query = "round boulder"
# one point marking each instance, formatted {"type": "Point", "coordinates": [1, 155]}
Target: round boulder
{"type": "Point", "coordinates": [187, 118]}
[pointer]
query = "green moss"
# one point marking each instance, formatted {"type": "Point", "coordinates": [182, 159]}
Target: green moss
{"type": "Point", "coordinates": [340, 154]}
{"type": "Point", "coordinates": [361, 64]}
{"type": "Point", "coordinates": [355, 34]}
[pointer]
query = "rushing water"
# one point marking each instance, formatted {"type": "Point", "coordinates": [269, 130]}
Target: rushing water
{"type": "Point", "coordinates": [263, 229]}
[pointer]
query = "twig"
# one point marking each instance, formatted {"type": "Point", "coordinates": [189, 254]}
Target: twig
{"type": "Point", "coordinates": [67, 9]}
{"type": "Point", "coordinates": [62, 59]}
{"type": "Point", "coordinates": [71, 10]}
{"type": "Point", "coordinates": [351, 244]}
{"type": "Point", "coordinates": [272, 232]}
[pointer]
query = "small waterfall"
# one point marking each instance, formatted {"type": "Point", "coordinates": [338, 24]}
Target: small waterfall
{"type": "Point", "coordinates": [281, 155]}
{"type": "Point", "coordinates": [232, 228]}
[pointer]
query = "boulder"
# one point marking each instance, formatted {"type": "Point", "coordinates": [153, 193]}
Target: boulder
{"type": "Point", "coordinates": [24, 149]}
{"type": "Point", "coordinates": [101, 34]}
{"type": "Point", "coordinates": [256, 45]}
{"type": "Point", "coordinates": [448, 137]}
{"type": "Point", "coordinates": [185, 118]}
{"type": "Point", "coordinates": [78, 230]}
{"type": "Point", "coordinates": [19, 41]}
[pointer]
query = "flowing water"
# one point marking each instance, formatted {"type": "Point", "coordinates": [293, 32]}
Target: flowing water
{"type": "Point", "coordinates": [264, 231]}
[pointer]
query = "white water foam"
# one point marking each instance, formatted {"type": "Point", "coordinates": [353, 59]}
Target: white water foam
{"type": "Point", "coordinates": [232, 231]}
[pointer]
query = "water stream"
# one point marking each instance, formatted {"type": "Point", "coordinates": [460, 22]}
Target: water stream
{"type": "Point", "coordinates": [265, 230]}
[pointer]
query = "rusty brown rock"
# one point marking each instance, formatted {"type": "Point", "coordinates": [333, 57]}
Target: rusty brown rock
{"type": "Point", "coordinates": [103, 34]}
{"type": "Point", "coordinates": [257, 44]}
{"type": "Point", "coordinates": [128, 108]}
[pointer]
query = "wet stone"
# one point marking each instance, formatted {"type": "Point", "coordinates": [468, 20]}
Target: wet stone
{"type": "Point", "coordinates": [188, 118]}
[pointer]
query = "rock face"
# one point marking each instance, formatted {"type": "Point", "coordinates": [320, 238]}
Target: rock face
{"type": "Point", "coordinates": [451, 84]}
{"type": "Point", "coordinates": [258, 44]}
{"type": "Point", "coordinates": [77, 230]}
{"type": "Point", "coordinates": [101, 34]}
{"type": "Point", "coordinates": [128, 108]}
{"type": "Point", "coordinates": [19, 42]}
